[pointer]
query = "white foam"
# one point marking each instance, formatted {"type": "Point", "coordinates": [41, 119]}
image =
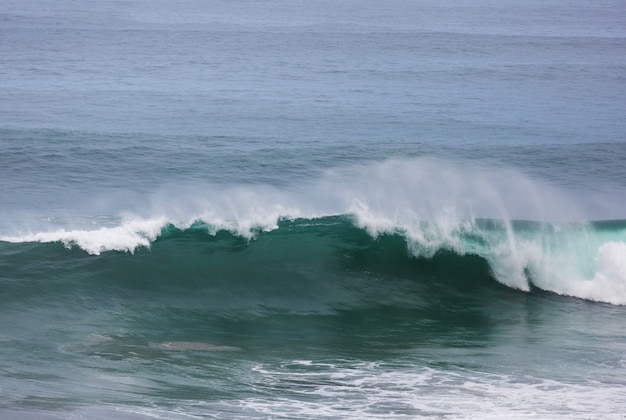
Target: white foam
{"type": "Point", "coordinates": [127, 237]}
{"type": "Point", "coordinates": [372, 390]}
{"type": "Point", "coordinates": [609, 279]}
{"type": "Point", "coordinates": [571, 259]}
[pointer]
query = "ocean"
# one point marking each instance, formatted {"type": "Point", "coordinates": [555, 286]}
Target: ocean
{"type": "Point", "coordinates": [312, 209]}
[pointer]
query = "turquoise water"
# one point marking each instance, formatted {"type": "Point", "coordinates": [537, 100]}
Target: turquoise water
{"type": "Point", "coordinates": [312, 209]}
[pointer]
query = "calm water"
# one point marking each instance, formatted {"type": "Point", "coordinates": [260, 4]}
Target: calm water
{"type": "Point", "coordinates": [312, 209]}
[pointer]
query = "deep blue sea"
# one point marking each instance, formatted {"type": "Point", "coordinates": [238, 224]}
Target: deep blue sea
{"type": "Point", "coordinates": [312, 209]}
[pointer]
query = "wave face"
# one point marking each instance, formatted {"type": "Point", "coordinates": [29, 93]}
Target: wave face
{"type": "Point", "coordinates": [298, 257]}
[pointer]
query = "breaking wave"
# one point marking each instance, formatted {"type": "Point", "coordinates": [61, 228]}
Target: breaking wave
{"type": "Point", "coordinates": [530, 234]}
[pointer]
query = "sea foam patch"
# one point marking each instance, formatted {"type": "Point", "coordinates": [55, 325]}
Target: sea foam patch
{"type": "Point", "coordinates": [329, 390]}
